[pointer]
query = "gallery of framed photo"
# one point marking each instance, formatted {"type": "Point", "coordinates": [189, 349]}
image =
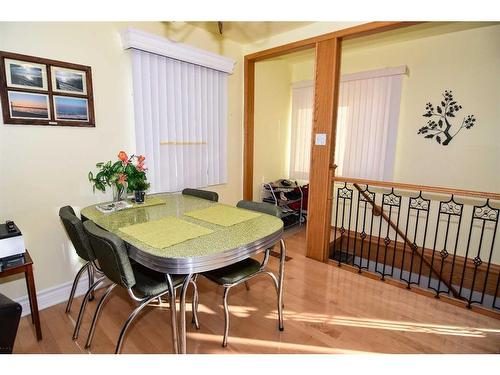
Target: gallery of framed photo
{"type": "Point", "coordinates": [38, 91]}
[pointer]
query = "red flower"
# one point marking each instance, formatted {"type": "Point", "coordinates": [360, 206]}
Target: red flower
{"type": "Point", "coordinates": [140, 167]}
{"type": "Point", "coordinates": [122, 178]}
{"type": "Point", "coordinates": [140, 159]}
{"type": "Point", "coordinates": [123, 156]}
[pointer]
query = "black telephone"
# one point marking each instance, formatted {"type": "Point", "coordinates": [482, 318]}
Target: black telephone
{"type": "Point", "coordinates": [11, 227]}
{"type": "Point", "coordinates": [286, 182]}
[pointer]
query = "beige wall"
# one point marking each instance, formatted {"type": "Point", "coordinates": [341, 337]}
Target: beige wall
{"type": "Point", "coordinates": [271, 123]}
{"type": "Point", "coordinates": [44, 168]}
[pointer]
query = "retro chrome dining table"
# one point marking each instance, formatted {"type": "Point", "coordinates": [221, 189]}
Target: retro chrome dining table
{"type": "Point", "coordinates": [222, 247]}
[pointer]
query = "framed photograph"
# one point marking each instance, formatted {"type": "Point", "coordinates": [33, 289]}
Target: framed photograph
{"type": "Point", "coordinates": [26, 75]}
{"type": "Point", "coordinates": [39, 91]}
{"type": "Point", "coordinates": [68, 81]}
{"type": "Point", "coordinates": [71, 109]}
{"type": "Point", "coordinates": [25, 105]}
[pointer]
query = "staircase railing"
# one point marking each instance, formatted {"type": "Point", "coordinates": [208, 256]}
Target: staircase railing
{"type": "Point", "coordinates": [435, 238]}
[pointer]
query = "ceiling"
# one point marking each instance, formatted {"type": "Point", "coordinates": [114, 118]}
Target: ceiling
{"type": "Point", "coordinates": [249, 32]}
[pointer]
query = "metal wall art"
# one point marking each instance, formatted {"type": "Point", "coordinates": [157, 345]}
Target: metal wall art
{"type": "Point", "coordinates": [439, 126]}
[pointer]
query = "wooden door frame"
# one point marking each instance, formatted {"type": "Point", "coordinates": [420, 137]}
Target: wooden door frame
{"type": "Point", "coordinates": [328, 56]}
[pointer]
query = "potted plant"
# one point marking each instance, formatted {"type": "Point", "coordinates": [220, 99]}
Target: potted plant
{"type": "Point", "coordinates": [128, 174]}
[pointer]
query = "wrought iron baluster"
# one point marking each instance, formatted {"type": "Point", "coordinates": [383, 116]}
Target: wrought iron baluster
{"type": "Point", "coordinates": [486, 214]}
{"type": "Point", "coordinates": [343, 193]}
{"type": "Point", "coordinates": [466, 258]}
{"type": "Point", "coordinates": [404, 251]}
{"type": "Point", "coordinates": [496, 293]}
{"type": "Point", "coordinates": [349, 230]}
{"type": "Point", "coordinates": [436, 233]}
{"type": "Point", "coordinates": [363, 196]}
{"type": "Point", "coordinates": [395, 241]}
{"type": "Point", "coordinates": [392, 201]}
{"type": "Point", "coordinates": [489, 262]}
{"type": "Point", "coordinates": [336, 224]}
{"type": "Point", "coordinates": [370, 241]}
{"type": "Point", "coordinates": [477, 262]}
{"type": "Point", "coordinates": [355, 236]}
{"type": "Point", "coordinates": [447, 209]}
{"type": "Point", "coordinates": [426, 208]}
{"type": "Point", "coordinates": [459, 227]}
{"type": "Point", "coordinates": [379, 236]}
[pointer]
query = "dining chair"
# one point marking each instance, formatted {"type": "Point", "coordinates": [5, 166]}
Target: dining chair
{"type": "Point", "coordinates": [203, 194]}
{"type": "Point", "coordinates": [76, 234]}
{"type": "Point", "coordinates": [143, 285]}
{"type": "Point", "coordinates": [241, 272]}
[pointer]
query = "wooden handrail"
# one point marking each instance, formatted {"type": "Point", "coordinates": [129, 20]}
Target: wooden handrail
{"type": "Point", "coordinates": [413, 248]}
{"type": "Point", "coordinates": [423, 188]}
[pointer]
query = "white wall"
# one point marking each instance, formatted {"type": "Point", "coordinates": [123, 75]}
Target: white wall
{"type": "Point", "coordinates": [43, 168]}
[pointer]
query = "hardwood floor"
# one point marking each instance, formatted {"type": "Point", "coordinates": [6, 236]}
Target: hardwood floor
{"type": "Point", "coordinates": [327, 310]}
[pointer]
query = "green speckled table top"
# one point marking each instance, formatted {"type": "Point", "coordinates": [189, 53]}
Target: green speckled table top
{"type": "Point", "coordinates": [222, 239]}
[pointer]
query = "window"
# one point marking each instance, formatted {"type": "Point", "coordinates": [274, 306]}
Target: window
{"type": "Point", "coordinates": [366, 125]}
{"type": "Point", "coordinates": [180, 106]}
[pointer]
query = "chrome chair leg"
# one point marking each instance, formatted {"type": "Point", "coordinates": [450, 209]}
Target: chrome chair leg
{"type": "Point", "coordinates": [84, 304]}
{"type": "Point", "coordinates": [91, 274]}
{"type": "Point", "coordinates": [129, 320]}
{"type": "Point", "coordinates": [173, 314]}
{"type": "Point", "coordinates": [96, 315]}
{"type": "Point", "coordinates": [226, 317]}
{"type": "Point", "coordinates": [75, 284]}
{"type": "Point", "coordinates": [194, 304]}
{"type": "Point", "coordinates": [280, 301]}
{"type": "Point", "coordinates": [182, 322]}
{"type": "Point", "coordinates": [280, 284]}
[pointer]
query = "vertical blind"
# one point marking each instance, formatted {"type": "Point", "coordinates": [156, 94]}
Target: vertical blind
{"type": "Point", "coordinates": [302, 117]}
{"type": "Point", "coordinates": [180, 121]}
{"type": "Point", "coordinates": [367, 126]}
{"type": "Point", "coordinates": [367, 119]}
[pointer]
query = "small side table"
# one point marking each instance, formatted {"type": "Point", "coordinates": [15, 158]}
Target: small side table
{"type": "Point", "coordinates": [26, 267]}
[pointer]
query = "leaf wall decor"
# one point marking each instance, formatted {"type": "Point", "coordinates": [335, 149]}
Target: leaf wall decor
{"type": "Point", "coordinates": [443, 131]}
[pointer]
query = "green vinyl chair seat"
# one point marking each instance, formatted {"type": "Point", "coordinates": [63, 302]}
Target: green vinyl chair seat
{"type": "Point", "coordinates": [203, 194]}
{"type": "Point", "coordinates": [149, 282]}
{"type": "Point", "coordinates": [233, 273]}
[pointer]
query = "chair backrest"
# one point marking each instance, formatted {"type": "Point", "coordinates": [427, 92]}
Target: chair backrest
{"type": "Point", "coordinates": [263, 207]}
{"type": "Point", "coordinates": [74, 229]}
{"type": "Point", "coordinates": [203, 194]}
{"type": "Point", "coordinates": [10, 313]}
{"type": "Point", "coordinates": [111, 254]}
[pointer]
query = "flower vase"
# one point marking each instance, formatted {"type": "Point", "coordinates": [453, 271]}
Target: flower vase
{"type": "Point", "coordinates": [139, 196]}
{"type": "Point", "coordinates": [119, 193]}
